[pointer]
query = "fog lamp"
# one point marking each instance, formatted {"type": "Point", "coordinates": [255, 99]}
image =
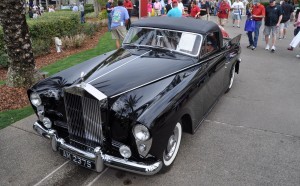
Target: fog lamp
{"type": "Point", "coordinates": [125, 151]}
{"type": "Point", "coordinates": [47, 123]}
{"type": "Point", "coordinates": [142, 147]}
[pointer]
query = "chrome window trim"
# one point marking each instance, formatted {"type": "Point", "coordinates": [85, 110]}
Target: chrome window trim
{"type": "Point", "coordinates": [153, 28]}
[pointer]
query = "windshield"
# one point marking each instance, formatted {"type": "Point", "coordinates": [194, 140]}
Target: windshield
{"type": "Point", "coordinates": [183, 42]}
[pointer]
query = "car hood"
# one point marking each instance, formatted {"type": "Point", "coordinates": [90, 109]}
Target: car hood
{"type": "Point", "coordinates": [125, 70]}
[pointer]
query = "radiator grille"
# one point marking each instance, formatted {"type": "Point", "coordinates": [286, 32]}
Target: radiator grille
{"type": "Point", "coordinates": [84, 120]}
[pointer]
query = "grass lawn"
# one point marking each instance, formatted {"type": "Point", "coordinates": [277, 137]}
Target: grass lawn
{"type": "Point", "coordinates": [104, 45]}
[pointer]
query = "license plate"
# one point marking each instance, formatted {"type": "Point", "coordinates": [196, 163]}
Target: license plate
{"type": "Point", "coordinates": [77, 159]}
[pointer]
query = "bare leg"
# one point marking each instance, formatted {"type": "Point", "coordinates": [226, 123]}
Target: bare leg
{"type": "Point", "coordinates": [118, 43]}
{"type": "Point", "coordinates": [273, 40]}
{"type": "Point", "coordinates": [267, 39]}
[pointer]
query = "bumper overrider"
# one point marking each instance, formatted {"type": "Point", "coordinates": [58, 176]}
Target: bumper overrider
{"type": "Point", "coordinates": [101, 160]}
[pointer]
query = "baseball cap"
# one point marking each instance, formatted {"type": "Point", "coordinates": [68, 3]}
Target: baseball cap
{"type": "Point", "coordinates": [174, 1]}
{"type": "Point", "coordinates": [271, 1]}
{"type": "Point", "coordinates": [256, 1]}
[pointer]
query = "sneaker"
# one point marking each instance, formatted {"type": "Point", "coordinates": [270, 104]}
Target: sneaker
{"type": "Point", "coordinates": [267, 47]}
{"type": "Point", "coordinates": [273, 49]}
{"type": "Point", "coordinates": [253, 48]}
{"type": "Point", "coordinates": [238, 26]}
{"type": "Point", "coordinates": [232, 25]}
{"type": "Point", "coordinates": [290, 48]}
{"type": "Point", "coordinates": [280, 38]}
{"type": "Point", "coordinates": [297, 56]}
{"type": "Point", "coordinates": [249, 46]}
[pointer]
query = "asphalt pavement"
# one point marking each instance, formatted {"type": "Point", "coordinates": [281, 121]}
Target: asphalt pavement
{"type": "Point", "coordinates": [251, 137]}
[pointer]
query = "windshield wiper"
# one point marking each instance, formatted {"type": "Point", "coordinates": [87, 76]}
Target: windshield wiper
{"type": "Point", "coordinates": [131, 45]}
{"type": "Point", "coordinates": [161, 48]}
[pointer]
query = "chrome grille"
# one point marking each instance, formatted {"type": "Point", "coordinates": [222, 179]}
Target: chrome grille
{"type": "Point", "coordinates": [84, 120]}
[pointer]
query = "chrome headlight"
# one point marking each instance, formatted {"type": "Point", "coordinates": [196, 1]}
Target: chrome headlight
{"type": "Point", "coordinates": [141, 133]}
{"type": "Point", "coordinates": [35, 99]}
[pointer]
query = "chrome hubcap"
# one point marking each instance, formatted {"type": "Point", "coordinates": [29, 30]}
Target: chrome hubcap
{"type": "Point", "coordinates": [172, 144]}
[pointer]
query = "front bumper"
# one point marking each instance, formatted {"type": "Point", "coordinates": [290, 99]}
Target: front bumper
{"type": "Point", "coordinates": [98, 156]}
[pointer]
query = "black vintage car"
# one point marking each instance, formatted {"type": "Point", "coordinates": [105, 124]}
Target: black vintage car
{"type": "Point", "coordinates": [128, 108]}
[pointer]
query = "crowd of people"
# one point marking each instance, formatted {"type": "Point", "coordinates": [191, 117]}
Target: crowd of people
{"type": "Point", "coordinates": [275, 17]}
{"type": "Point", "coordinates": [35, 11]}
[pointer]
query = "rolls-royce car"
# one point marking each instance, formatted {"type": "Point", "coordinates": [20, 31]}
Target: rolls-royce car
{"type": "Point", "coordinates": [128, 108]}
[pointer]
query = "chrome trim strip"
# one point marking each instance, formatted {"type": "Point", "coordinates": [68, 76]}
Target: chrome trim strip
{"type": "Point", "coordinates": [98, 156]}
{"type": "Point", "coordinates": [119, 67]}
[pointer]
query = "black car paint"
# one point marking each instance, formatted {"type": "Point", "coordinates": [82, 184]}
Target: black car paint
{"type": "Point", "coordinates": [183, 87]}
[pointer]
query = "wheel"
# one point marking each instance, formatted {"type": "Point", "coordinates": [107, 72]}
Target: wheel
{"type": "Point", "coordinates": [172, 147]}
{"type": "Point", "coordinates": [232, 72]}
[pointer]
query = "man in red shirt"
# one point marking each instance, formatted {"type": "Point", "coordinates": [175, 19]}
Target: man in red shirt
{"type": "Point", "coordinates": [128, 5]}
{"type": "Point", "coordinates": [195, 10]}
{"type": "Point", "coordinates": [257, 13]}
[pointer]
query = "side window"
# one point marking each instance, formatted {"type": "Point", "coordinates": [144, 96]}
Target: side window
{"type": "Point", "coordinates": [210, 44]}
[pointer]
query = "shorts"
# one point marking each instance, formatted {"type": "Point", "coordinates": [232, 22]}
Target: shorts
{"type": "Point", "coordinates": [236, 17]}
{"type": "Point", "coordinates": [157, 12]}
{"type": "Point", "coordinates": [270, 29]}
{"type": "Point", "coordinates": [284, 25]}
{"type": "Point", "coordinates": [118, 33]}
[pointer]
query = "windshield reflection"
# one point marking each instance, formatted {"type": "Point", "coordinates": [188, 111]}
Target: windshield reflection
{"type": "Point", "coordinates": [182, 42]}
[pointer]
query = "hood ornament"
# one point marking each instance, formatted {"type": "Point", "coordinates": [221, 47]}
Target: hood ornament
{"type": "Point", "coordinates": [82, 84]}
{"type": "Point", "coordinates": [82, 76]}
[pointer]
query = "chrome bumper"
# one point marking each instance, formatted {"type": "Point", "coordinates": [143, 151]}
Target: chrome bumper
{"type": "Point", "coordinates": [98, 156]}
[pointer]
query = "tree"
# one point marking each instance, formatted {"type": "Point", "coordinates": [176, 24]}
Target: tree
{"type": "Point", "coordinates": [17, 42]}
{"type": "Point", "coordinates": [97, 7]}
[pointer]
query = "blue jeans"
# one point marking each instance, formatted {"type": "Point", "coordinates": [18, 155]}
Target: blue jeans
{"type": "Point", "coordinates": [82, 20]}
{"type": "Point", "coordinates": [256, 34]}
{"type": "Point", "coordinates": [109, 18]}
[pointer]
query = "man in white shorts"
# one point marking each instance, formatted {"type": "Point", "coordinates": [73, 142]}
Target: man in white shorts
{"type": "Point", "coordinates": [272, 22]}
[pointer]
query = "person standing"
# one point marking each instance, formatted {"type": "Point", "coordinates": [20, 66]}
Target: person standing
{"type": "Point", "coordinates": [157, 8]}
{"type": "Point", "coordinates": [272, 22]}
{"type": "Point", "coordinates": [149, 8]}
{"type": "Point", "coordinates": [223, 12]}
{"type": "Point", "coordinates": [81, 9]}
{"type": "Point", "coordinates": [180, 6]}
{"type": "Point", "coordinates": [195, 10]}
{"type": "Point", "coordinates": [237, 7]}
{"type": "Point", "coordinates": [129, 6]}
{"type": "Point", "coordinates": [288, 11]}
{"type": "Point", "coordinates": [257, 13]}
{"type": "Point", "coordinates": [175, 11]}
{"type": "Point", "coordinates": [168, 6]}
{"type": "Point", "coordinates": [163, 5]}
{"type": "Point", "coordinates": [119, 20]}
{"type": "Point", "coordinates": [109, 8]}
{"type": "Point", "coordinates": [204, 10]}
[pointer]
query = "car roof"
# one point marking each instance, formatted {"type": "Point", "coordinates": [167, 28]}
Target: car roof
{"type": "Point", "coordinates": [186, 24]}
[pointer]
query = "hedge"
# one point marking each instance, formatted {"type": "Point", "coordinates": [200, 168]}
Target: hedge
{"type": "Point", "coordinates": [88, 8]}
{"type": "Point", "coordinates": [44, 28]}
